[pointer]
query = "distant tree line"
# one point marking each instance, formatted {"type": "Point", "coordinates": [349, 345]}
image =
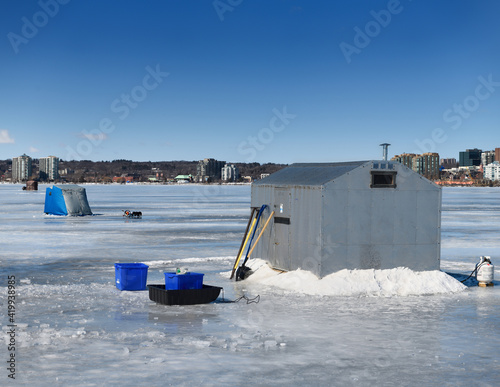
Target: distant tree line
{"type": "Point", "coordinates": [104, 171]}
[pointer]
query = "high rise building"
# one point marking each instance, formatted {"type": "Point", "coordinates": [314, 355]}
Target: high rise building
{"type": "Point", "coordinates": [449, 163]}
{"type": "Point", "coordinates": [427, 165]}
{"type": "Point", "coordinates": [21, 168]}
{"type": "Point", "coordinates": [497, 154]}
{"type": "Point", "coordinates": [487, 157]}
{"type": "Point", "coordinates": [492, 171]}
{"type": "Point", "coordinates": [230, 173]}
{"type": "Point", "coordinates": [49, 168]}
{"type": "Point", "coordinates": [470, 158]}
{"type": "Point", "coordinates": [405, 159]}
{"type": "Point", "coordinates": [209, 169]}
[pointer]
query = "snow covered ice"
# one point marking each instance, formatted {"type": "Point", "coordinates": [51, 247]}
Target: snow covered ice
{"type": "Point", "coordinates": [400, 281]}
{"type": "Point", "coordinates": [366, 327]}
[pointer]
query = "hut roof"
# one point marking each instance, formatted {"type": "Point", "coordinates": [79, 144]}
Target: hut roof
{"type": "Point", "coordinates": [309, 173]}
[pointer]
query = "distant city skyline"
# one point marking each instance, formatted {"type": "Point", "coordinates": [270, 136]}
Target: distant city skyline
{"type": "Point", "coordinates": [475, 166]}
{"type": "Point", "coordinates": [483, 155]}
{"type": "Point", "coordinates": [261, 81]}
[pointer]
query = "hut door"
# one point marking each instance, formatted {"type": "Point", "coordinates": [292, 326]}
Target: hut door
{"type": "Point", "coordinates": [282, 201]}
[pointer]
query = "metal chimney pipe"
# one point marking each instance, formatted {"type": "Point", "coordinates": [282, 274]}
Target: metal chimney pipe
{"type": "Point", "coordinates": [384, 146]}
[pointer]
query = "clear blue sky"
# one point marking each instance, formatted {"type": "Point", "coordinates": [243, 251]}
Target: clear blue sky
{"type": "Point", "coordinates": [266, 81]}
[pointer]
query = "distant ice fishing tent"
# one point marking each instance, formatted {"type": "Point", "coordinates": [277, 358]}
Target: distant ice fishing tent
{"type": "Point", "coordinates": [353, 215]}
{"type": "Point", "coordinates": [66, 199]}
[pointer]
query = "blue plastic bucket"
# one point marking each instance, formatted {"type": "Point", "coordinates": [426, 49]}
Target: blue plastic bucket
{"type": "Point", "coordinates": [131, 276]}
{"type": "Point", "coordinates": [183, 281]}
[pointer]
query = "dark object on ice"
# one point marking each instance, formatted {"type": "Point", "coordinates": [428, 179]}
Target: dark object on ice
{"type": "Point", "coordinates": [132, 214]}
{"type": "Point", "coordinates": [31, 185]}
{"type": "Point", "coordinates": [243, 272]}
{"type": "Point", "coordinates": [206, 294]}
{"type": "Point", "coordinates": [254, 300]}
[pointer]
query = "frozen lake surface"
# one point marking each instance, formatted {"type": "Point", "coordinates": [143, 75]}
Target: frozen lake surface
{"type": "Point", "coordinates": [75, 328]}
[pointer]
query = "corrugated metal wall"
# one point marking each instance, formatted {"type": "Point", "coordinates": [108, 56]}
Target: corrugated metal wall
{"type": "Point", "coordinates": [345, 224]}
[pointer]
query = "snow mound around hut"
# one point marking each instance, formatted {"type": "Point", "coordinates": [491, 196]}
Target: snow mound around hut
{"type": "Point", "coordinates": [399, 281]}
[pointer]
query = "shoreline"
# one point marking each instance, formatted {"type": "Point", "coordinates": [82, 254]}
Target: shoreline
{"type": "Point", "coordinates": [440, 183]}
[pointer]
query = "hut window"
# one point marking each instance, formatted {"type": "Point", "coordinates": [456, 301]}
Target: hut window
{"type": "Point", "coordinates": [383, 179]}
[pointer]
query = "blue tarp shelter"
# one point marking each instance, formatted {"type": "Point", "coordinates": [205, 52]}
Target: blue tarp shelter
{"type": "Point", "coordinates": [67, 199]}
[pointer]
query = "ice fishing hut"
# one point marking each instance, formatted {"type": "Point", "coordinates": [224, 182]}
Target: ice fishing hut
{"type": "Point", "coordinates": [66, 199]}
{"type": "Point", "coordinates": [351, 215]}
